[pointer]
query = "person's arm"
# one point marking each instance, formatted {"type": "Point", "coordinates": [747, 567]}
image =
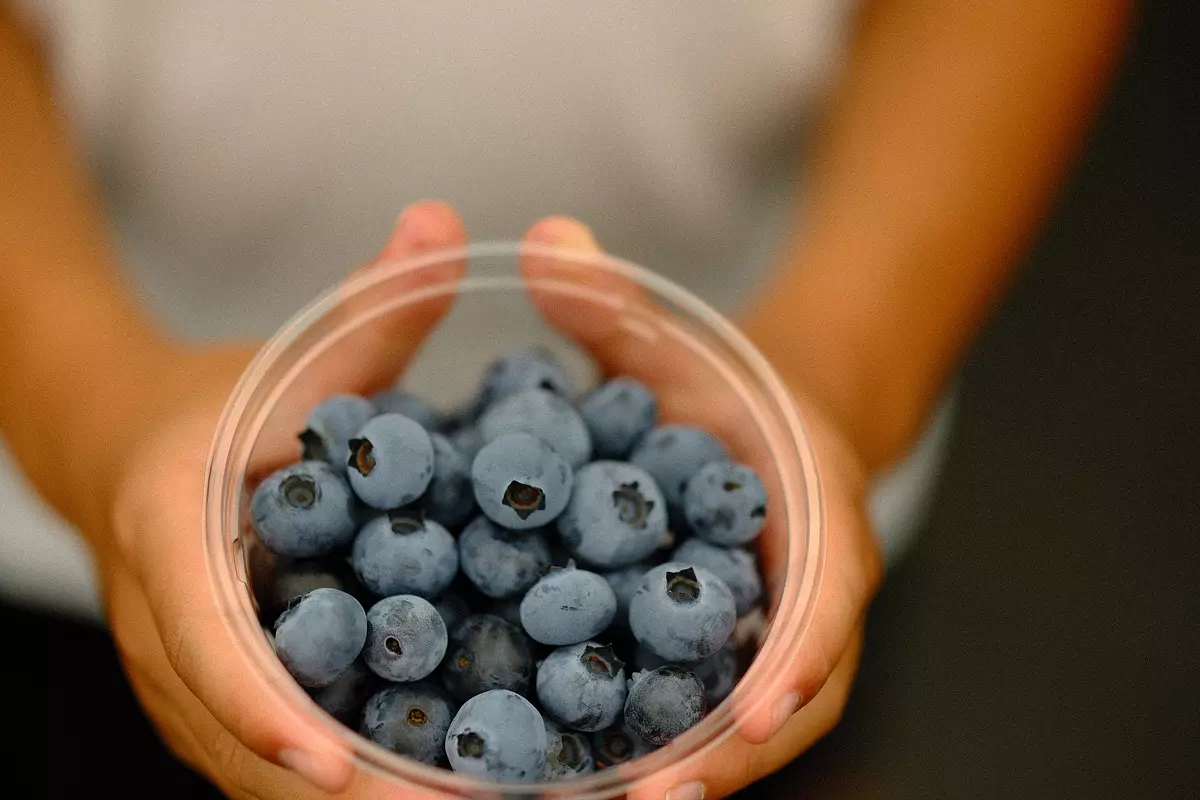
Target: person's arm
{"type": "Point", "coordinates": [939, 157]}
{"type": "Point", "coordinates": [73, 344]}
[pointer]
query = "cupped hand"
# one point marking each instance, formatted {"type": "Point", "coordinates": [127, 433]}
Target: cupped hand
{"type": "Point", "coordinates": [212, 709]}
{"type": "Point", "coordinates": [218, 714]}
{"type": "Point", "coordinates": [771, 731]}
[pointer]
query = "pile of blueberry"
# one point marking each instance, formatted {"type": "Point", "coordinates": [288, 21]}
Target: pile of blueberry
{"type": "Point", "coordinates": [513, 563]}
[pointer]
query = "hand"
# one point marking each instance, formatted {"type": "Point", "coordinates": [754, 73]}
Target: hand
{"type": "Point", "coordinates": [819, 677]}
{"type": "Point", "coordinates": [208, 705]}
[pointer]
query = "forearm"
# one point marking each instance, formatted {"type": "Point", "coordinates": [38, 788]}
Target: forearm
{"type": "Point", "coordinates": [74, 346]}
{"type": "Point", "coordinates": [938, 158]}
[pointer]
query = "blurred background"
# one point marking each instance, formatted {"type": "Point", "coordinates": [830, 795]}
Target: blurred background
{"type": "Point", "coordinates": [1041, 638]}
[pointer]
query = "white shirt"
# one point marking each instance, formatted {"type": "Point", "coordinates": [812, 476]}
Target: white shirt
{"type": "Point", "coordinates": [250, 153]}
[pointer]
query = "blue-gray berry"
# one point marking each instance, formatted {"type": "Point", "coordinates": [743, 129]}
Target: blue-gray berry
{"type": "Point", "coordinates": [406, 638]}
{"type": "Point", "coordinates": [403, 553]}
{"type": "Point", "coordinates": [411, 719]}
{"type": "Point", "coordinates": [618, 414]}
{"type": "Point", "coordinates": [501, 562]}
{"type": "Point", "coordinates": [582, 686]}
{"type": "Point", "coordinates": [682, 612]}
{"type": "Point", "coordinates": [616, 516]}
{"type": "Point", "coordinates": [304, 510]}
{"type": "Point", "coordinates": [520, 482]}
{"type": "Point", "coordinates": [498, 735]}
{"type": "Point", "coordinates": [545, 415]}
{"type": "Point", "coordinates": [663, 704]}
{"type": "Point", "coordinates": [568, 606]}
{"type": "Point", "coordinates": [320, 636]}
{"type": "Point", "coordinates": [725, 504]}
{"type": "Point", "coordinates": [391, 461]}
{"type": "Point", "coordinates": [487, 652]}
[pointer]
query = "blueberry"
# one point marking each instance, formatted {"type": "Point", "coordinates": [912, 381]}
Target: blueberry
{"type": "Point", "coordinates": [485, 653]}
{"type": "Point", "coordinates": [467, 440]}
{"type": "Point", "coordinates": [403, 553]}
{"type": "Point", "coordinates": [520, 482]}
{"type": "Point", "coordinates": [527, 368]}
{"type": "Point", "coordinates": [498, 735]}
{"type": "Point", "coordinates": [398, 401]}
{"type": "Point", "coordinates": [737, 567]}
{"type": "Point", "coordinates": [624, 582]}
{"type": "Point", "coordinates": [391, 461]}
{"type": "Point", "coordinates": [618, 414]}
{"type": "Point", "coordinates": [452, 609]}
{"type": "Point", "coordinates": [279, 582]}
{"type": "Point", "coordinates": [582, 686]}
{"type": "Point", "coordinates": [331, 425]}
{"type": "Point", "coordinates": [411, 720]}
{"type": "Point", "coordinates": [502, 562]}
{"type": "Point", "coordinates": [568, 606]}
{"type": "Point", "coordinates": [406, 638]}
{"type": "Point", "coordinates": [344, 698]}
{"type": "Point", "coordinates": [542, 414]}
{"type": "Point", "coordinates": [684, 613]}
{"type": "Point", "coordinates": [672, 454]}
{"type": "Point", "coordinates": [663, 704]}
{"type": "Point", "coordinates": [616, 515]}
{"type": "Point", "coordinates": [718, 672]}
{"type": "Point", "coordinates": [568, 754]}
{"type": "Point", "coordinates": [616, 745]}
{"type": "Point", "coordinates": [725, 504]}
{"type": "Point", "coordinates": [449, 499]}
{"type": "Point", "coordinates": [304, 510]}
{"type": "Point", "coordinates": [320, 636]}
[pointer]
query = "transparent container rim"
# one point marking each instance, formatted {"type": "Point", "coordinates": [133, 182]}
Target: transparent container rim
{"type": "Point", "coordinates": [787, 629]}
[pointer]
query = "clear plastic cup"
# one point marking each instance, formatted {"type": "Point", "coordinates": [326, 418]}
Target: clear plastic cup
{"type": "Point", "coordinates": [483, 301]}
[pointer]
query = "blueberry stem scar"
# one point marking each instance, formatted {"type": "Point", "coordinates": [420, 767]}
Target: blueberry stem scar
{"type": "Point", "coordinates": [601, 660]}
{"type": "Point", "coordinates": [360, 456]}
{"type": "Point", "coordinates": [471, 745]}
{"type": "Point", "coordinates": [632, 506]}
{"type": "Point", "coordinates": [683, 586]}
{"type": "Point", "coordinates": [312, 446]}
{"type": "Point", "coordinates": [524, 499]}
{"type": "Point", "coordinates": [299, 491]}
{"type": "Point", "coordinates": [403, 522]}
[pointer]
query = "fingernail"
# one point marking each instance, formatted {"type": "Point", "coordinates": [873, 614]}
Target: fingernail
{"type": "Point", "coordinates": [783, 710]}
{"type": "Point", "coordinates": [687, 791]}
{"type": "Point", "coordinates": [318, 771]}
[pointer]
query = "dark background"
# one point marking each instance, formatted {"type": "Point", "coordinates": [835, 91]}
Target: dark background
{"type": "Point", "coordinates": [1041, 638]}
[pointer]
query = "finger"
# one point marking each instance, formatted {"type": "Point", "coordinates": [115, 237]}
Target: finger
{"type": "Point", "coordinates": [851, 575]}
{"type": "Point", "coordinates": [373, 325]}
{"type": "Point", "coordinates": [255, 701]}
{"type": "Point", "coordinates": [736, 763]}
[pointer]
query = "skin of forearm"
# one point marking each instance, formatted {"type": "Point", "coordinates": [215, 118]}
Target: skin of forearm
{"type": "Point", "coordinates": [75, 348]}
{"type": "Point", "coordinates": [938, 158]}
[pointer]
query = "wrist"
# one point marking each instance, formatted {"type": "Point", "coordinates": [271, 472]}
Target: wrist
{"type": "Point", "coordinates": [878, 407]}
